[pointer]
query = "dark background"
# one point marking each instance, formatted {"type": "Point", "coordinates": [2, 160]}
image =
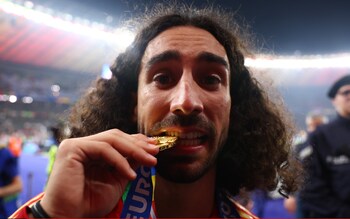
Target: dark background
{"type": "Point", "coordinates": [284, 26]}
{"type": "Point", "coordinates": [42, 56]}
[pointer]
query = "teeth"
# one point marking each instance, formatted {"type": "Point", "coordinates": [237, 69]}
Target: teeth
{"type": "Point", "coordinates": [189, 135]}
{"type": "Point", "coordinates": [174, 134]}
{"type": "Point", "coordinates": [186, 142]}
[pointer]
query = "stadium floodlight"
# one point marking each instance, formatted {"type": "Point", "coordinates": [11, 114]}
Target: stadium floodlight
{"type": "Point", "coordinates": [302, 62]}
{"type": "Point", "coordinates": [121, 37]}
{"type": "Point", "coordinates": [27, 99]}
{"type": "Point", "coordinates": [12, 98]}
{"type": "Point", "coordinates": [28, 4]}
{"type": "Point", "coordinates": [4, 97]}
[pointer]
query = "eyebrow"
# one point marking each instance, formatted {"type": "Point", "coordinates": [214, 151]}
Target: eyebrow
{"type": "Point", "coordinates": [175, 55]}
{"type": "Point", "coordinates": [163, 57]}
{"type": "Point", "coordinates": [210, 57]}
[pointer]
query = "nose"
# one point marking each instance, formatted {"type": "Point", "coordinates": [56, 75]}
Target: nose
{"type": "Point", "coordinates": [186, 98]}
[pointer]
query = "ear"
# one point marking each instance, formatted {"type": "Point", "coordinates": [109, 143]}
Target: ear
{"type": "Point", "coordinates": [334, 102]}
{"type": "Point", "coordinates": [134, 98]}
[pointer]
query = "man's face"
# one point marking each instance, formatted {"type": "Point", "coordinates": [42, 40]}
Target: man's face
{"type": "Point", "coordinates": [184, 91]}
{"type": "Point", "coordinates": [341, 101]}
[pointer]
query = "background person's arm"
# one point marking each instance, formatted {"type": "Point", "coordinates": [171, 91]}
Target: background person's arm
{"type": "Point", "coordinates": [13, 188]}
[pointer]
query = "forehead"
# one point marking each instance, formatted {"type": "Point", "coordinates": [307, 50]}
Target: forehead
{"type": "Point", "coordinates": [187, 40]}
{"type": "Point", "coordinates": [344, 87]}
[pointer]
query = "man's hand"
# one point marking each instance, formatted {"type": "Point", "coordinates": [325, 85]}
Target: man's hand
{"type": "Point", "coordinates": [90, 173]}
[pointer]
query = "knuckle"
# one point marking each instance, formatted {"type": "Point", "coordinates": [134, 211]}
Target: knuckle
{"type": "Point", "coordinates": [140, 143]}
{"type": "Point", "coordinates": [67, 146]}
{"type": "Point", "coordinates": [115, 131]}
{"type": "Point", "coordinates": [139, 135]}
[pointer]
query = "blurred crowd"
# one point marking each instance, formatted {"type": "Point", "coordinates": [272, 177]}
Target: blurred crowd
{"type": "Point", "coordinates": [321, 164]}
{"type": "Point", "coordinates": [33, 140]}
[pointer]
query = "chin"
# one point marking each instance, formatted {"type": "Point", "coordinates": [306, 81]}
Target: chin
{"type": "Point", "coordinates": [182, 170]}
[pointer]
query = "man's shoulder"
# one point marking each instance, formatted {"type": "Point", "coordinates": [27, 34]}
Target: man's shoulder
{"type": "Point", "coordinates": [4, 151]}
{"type": "Point", "coordinates": [322, 129]}
{"type": "Point", "coordinates": [328, 129]}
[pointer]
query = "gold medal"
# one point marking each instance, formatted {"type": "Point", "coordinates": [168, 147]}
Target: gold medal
{"type": "Point", "coordinates": [165, 142]}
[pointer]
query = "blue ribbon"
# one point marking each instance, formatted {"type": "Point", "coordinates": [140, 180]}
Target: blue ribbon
{"type": "Point", "coordinates": [138, 202]}
{"type": "Point", "coordinates": [226, 207]}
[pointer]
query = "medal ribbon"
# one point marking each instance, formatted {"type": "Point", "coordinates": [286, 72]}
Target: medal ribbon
{"type": "Point", "coordinates": [225, 205]}
{"type": "Point", "coordinates": [139, 198]}
{"type": "Point", "coordinates": [138, 201]}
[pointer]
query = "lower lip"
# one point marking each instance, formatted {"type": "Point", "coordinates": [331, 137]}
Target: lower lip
{"type": "Point", "coordinates": [188, 149]}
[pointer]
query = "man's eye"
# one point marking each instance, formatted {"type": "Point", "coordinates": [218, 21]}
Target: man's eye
{"type": "Point", "coordinates": [162, 79]}
{"type": "Point", "coordinates": [211, 80]}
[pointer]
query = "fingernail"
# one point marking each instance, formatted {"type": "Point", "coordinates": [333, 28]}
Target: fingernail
{"type": "Point", "coordinates": [133, 173]}
{"type": "Point", "coordinates": [151, 157]}
{"type": "Point", "coordinates": [152, 145]}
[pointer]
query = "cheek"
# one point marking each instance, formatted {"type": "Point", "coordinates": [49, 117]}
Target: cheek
{"type": "Point", "coordinates": [226, 109]}
{"type": "Point", "coordinates": [150, 105]}
{"type": "Point", "coordinates": [336, 102]}
{"type": "Point", "coordinates": [149, 98]}
{"type": "Point", "coordinates": [219, 108]}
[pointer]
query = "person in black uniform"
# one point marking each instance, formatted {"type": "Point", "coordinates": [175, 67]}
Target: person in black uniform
{"type": "Point", "coordinates": [327, 191]}
{"type": "Point", "coordinates": [303, 150]}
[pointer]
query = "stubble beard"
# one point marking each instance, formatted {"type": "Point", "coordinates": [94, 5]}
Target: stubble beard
{"type": "Point", "coordinates": [183, 169]}
{"type": "Point", "coordinates": [188, 168]}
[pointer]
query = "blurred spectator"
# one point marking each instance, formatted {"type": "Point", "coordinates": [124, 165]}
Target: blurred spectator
{"type": "Point", "coordinates": [303, 151]}
{"type": "Point", "coordinates": [15, 144]}
{"type": "Point", "coordinates": [10, 181]}
{"type": "Point", "coordinates": [327, 192]}
{"type": "Point", "coordinates": [56, 139]}
{"type": "Point", "coordinates": [30, 147]}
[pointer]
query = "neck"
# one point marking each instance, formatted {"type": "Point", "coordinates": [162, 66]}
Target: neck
{"type": "Point", "coordinates": [344, 115]}
{"type": "Point", "coordinates": [189, 200]}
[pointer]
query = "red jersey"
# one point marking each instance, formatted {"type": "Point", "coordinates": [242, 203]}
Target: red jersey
{"type": "Point", "coordinates": [22, 212]}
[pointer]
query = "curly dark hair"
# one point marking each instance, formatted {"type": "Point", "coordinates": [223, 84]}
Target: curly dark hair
{"type": "Point", "coordinates": [256, 154]}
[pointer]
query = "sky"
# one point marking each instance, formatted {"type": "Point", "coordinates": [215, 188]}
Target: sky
{"type": "Point", "coordinates": [286, 27]}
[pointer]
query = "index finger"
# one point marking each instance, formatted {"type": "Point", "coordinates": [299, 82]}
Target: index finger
{"type": "Point", "coordinates": [125, 143]}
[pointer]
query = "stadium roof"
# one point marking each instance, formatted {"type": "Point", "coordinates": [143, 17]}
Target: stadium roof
{"type": "Point", "coordinates": [286, 27]}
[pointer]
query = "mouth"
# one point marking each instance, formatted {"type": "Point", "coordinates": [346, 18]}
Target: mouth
{"type": "Point", "coordinates": [189, 138]}
{"type": "Point", "coordinates": [165, 142]}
